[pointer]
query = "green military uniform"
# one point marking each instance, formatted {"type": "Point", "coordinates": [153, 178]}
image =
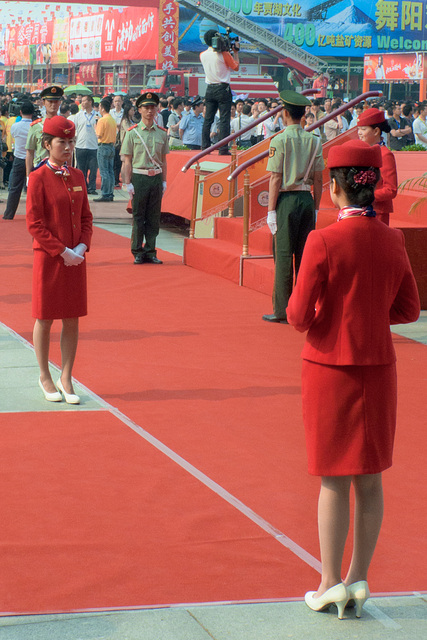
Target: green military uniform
{"type": "Point", "coordinates": [292, 152]}
{"type": "Point", "coordinates": [146, 203]}
{"type": "Point", "coordinates": [34, 141]}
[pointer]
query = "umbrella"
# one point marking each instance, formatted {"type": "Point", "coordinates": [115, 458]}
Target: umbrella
{"type": "Point", "coordinates": [78, 88]}
{"type": "Point", "coordinates": [120, 93]}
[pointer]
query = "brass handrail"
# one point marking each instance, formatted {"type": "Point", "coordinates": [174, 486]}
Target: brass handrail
{"type": "Point", "coordinates": [316, 125]}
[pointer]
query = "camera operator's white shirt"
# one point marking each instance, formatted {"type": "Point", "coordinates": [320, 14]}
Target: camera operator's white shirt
{"type": "Point", "coordinates": [218, 66]}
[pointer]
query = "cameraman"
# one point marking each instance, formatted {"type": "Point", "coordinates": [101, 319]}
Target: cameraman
{"type": "Point", "coordinates": [217, 66]}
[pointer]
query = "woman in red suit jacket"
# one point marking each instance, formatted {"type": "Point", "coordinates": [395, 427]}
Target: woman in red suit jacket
{"type": "Point", "coordinates": [60, 221]}
{"type": "Point", "coordinates": [354, 281]}
{"type": "Point", "coordinates": [371, 124]}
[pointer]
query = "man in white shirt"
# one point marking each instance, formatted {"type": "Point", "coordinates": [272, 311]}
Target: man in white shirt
{"type": "Point", "coordinates": [420, 126]}
{"type": "Point", "coordinates": [17, 177]}
{"type": "Point", "coordinates": [87, 143]}
{"type": "Point", "coordinates": [117, 113]}
{"type": "Point", "coordinates": [217, 65]}
{"type": "Point", "coordinates": [243, 119]}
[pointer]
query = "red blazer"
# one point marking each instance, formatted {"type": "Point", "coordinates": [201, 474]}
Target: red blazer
{"type": "Point", "coordinates": [386, 189]}
{"type": "Point", "coordinates": [354, 281]}
{"type": "Point", "coordinates": [58, 214]}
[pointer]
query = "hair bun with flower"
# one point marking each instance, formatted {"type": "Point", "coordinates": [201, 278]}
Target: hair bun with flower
{"type": "Point", "coordinates": [366, 177]}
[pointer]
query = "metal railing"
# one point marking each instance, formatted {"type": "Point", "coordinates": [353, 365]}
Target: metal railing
{"type": "Point", "coordinates": [233, 164]}
{"type": "Point", "coordinates": [244, 167]}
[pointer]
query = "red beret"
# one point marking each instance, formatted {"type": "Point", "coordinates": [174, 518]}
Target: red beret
{"type": "Point", "coordinates": [371, 117]}
{"type": "Point", "coordinates": [355, 153]}
{"type": "Point", "coordinates": [59, 127]}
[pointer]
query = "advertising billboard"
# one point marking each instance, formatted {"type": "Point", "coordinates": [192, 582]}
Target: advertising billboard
{"type": "Point", "coordinates": [331, 28]}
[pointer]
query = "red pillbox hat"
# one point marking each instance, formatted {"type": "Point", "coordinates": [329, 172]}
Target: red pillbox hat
{"type": "Point", "coordinates": [355, 153]}
{"type": "Point", "coordinates": [371, 117]}
{"type": "Point", "coordinates": [59, 127]}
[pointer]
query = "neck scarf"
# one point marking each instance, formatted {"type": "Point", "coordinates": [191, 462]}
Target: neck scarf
{"type": "Point", "coordinates": [353, 212]}
{"type": "Point", "coordinates": [59, 171]}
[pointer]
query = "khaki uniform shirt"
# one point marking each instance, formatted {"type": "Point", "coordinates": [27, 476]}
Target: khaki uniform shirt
{"type": "Point", "coordinates": [290, 154]}
{"type": "Point", "coordinates": [34, 141]}
{"type": "Point", "coordinates": [156, 140]}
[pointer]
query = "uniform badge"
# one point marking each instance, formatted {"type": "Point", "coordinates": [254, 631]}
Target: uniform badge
{"type": "Point", "coordinates": [53, 90]}
{"type": "Point", "coordinates": [79, 188]}
{"type": "Point", "coordinates": [148, 96]}
{"type": "Point", "coordinates": [271, 152]}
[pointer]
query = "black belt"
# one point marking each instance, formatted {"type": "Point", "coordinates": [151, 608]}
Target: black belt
{"type": "Point", "coordinates": [219, 84]}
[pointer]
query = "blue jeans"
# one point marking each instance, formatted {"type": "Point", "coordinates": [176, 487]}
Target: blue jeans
{"type": "Point", "coordinates": [106, 169]}
{"type": "Point", "coordinates": [86, 161]}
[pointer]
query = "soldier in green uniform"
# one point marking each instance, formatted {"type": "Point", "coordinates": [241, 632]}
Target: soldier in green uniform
{"type": "Point", "coordinates": [144, 148]}
{"type": "Point", "coordinates": [296, 165]}
{"type": "Point", "coordinates": [36, 152]}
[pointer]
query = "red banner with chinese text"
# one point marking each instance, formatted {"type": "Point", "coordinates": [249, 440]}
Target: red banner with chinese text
{"type": "Point", "coordinates": [126, 34]}
{"type": "Point", "coordinates": [167, 57]}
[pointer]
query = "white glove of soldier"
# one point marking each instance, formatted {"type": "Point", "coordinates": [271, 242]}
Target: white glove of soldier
{"type": "Point", "coordinates": [80, 249]}
{"type": "Point", "coordinates": [129, 188]}
{"type": "Point", "coordinates": [316, 213]}
{"type": "Point", "coordinates": [26, 182]}
{"type": "Point", "coordinates": [71, 259]}
{"type": "Point", "coordinates": [272, 221]}
{"type": "Point", "coordinates": [164, 186]}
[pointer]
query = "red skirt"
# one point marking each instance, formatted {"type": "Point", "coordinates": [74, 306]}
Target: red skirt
{"type": "Point", "coordinates": [58, 291]}
{"type": "Point", "coordinates": [349, 417]}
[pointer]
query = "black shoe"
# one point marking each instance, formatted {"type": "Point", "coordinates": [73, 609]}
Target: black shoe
{"type": "Point", "coordinates": [139, 260]}
{"type": "Point", "coordinates": [92, 192]}
{"type": "Point", "coordinates": [7, 217]}
{"type": "Point", "coordinates": [272, 318]}
{"type": "Point", "coordinates": [102, 199]}
{"type": "Point", "coordinates": [152, 259]}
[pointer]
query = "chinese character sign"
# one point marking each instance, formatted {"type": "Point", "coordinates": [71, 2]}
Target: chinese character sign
{"type": "Point", "coordinates": [349, 27]}
{"type": "Point", "coordinates": [167, 57]}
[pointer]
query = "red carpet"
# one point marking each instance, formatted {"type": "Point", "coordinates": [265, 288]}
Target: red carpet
{"type": "Point", "coordinates": [94, 516]}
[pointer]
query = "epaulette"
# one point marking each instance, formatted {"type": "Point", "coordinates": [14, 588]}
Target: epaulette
{"type": "Point", "coordinates": [132, 127]}
{"type": "Point", "coordinates": [36, 122]}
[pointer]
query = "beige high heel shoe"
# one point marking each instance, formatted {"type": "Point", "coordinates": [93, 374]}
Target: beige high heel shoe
{"type": "Point", "coordinates": [358, 592]}
{"type": "Point", "coordinates": [337, 595]}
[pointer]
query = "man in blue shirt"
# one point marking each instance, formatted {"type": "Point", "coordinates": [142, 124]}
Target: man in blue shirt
{"type": "Point", "coordinates": [19, 132]}
{"type": "Point", "coordinates": [191, 125]}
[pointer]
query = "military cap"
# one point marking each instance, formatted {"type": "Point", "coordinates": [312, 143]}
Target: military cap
{"type": "Point", "coordinates": [59, 127]}
{"type": "Point", "coordinates": [146, 99]}
{"type": "Point", "coordinates": [355, 153]}
{"type": "Point", "coordinates": [294, 98]}
{"type": "Point", "coordinates": [197, 101]}
{"type": "Point", "coordinates": [52, 93]}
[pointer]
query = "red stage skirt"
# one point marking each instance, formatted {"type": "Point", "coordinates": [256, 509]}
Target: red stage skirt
{"type": "Point", "coordinates": [349, 417]}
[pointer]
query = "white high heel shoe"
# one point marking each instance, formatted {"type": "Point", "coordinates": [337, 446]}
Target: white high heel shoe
{"type": "Point", "coordinates": [50, 397]}
{"type": "Point", "coordinates": [359, 593]}
{"type": "Point", "coordinates": [337, 595]}
{"type": "Point", "coordinates": [70, 398]}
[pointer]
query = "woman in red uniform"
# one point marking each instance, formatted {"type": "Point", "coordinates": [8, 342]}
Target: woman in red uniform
{"type": "Point", "coordinates": [371, 124]}
{"type": "Point", "coordinates": [354, 281]}
{"type": "Point", "coordinates": [60, 221]}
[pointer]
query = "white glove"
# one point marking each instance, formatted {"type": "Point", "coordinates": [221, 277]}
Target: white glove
{"type": "Point", "coordinates": [71, 259]}
{"type": "Point", "coordinates": [164, 186]}
{"type": "Point", "coordinates": [129, 188]}
{"type": "Point", "coordinates": [80, 249]}
{"type": "Point", "coordinates": [316, 213]}
{"type": "Point", "coordinates": [26, 184]}
{"type": "Point", "coordinates": [272, 221]}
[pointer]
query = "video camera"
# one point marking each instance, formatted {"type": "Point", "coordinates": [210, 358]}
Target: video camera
{"type": "Point", "coordinates": [224, 42]}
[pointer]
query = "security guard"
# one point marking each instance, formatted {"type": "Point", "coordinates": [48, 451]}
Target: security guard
{"type": "Point", "coordinates": [296, 164]}
{"type": "Point", "coordinates": [51, 97]}
{"type": "Point", "coordinates": [144, 149]}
